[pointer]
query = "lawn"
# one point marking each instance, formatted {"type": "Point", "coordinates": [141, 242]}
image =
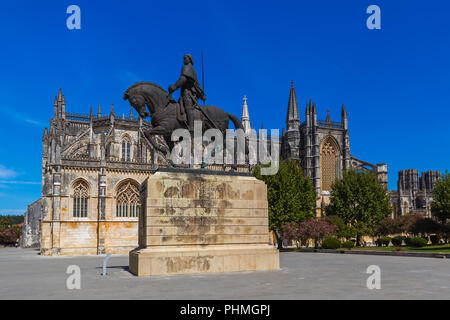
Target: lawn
{"type": "Point", "coordinates": [443, 248]}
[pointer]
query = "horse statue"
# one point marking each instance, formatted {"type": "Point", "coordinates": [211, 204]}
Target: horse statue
{"type": "Point", "coordinates": [163, 112]}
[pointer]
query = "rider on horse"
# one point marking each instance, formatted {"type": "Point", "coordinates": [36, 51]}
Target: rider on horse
{"type": "Point", "coordinates": [191, 91]}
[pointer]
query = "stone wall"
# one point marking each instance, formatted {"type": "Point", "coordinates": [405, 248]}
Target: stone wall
{"type": "Point", "coordinates": [31, 230]}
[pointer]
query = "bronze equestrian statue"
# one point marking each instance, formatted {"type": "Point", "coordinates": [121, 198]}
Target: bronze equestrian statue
{"type": "Point", "coordinates": [167, 114]}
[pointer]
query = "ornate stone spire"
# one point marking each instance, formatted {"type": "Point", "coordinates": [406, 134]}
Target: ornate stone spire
{"type": "Point", "coordinates": [111, 114]}
{"type": "Point", "coordinates": [293, 118]}
{"type": "Point", "coordinates": [131, 113]}
{"type": "Point", "coordinates": [55, 105]}
{"type": "Point", "coordinates": [45, 136]}
{"type": "Point", "coordinates": [344, 118]}
{"type": "Point", "coordinates": [60, 95]}
{"type": "Point", "coordinates": [63, 107]}
{"type": "Point", "coordinates": [328, 116]}
{"type": "Point", "coordinates": [99, 112]}
{"type": "Point", "coordinates": [344, 112]}
{"type": "Point", "coordinates": [245, 116]}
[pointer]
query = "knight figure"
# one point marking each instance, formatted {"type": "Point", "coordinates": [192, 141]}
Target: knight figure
{"type": "Point", "coordinates": [191, 91]}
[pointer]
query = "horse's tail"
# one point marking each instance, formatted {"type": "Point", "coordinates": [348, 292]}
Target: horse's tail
{"type": "Point", "coordinates": [237, 123]}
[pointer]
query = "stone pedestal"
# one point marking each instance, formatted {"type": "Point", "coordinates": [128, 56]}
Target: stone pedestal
{"type": "Point", "coordinates": [194, 222]}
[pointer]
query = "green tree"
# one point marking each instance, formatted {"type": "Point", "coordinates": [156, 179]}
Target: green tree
{"type": "Point", "coordinates": [441, 198]}
{"type": "Point", "coordinates": [291, 196]}
{"type": "Point", "coordinates": [360, 201]}
{"type": "Point", "coordinates": [344, 230]}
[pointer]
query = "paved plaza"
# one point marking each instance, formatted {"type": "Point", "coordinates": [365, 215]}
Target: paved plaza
{"type": "Point", "coordinates": [24, 274]}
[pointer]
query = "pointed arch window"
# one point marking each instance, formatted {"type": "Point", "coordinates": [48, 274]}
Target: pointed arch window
{"type": "Point", "coordinates": [329, 157]}
{"type": "Point", "coordinates": [80, 199]}
{"type": "Point", "coordinates": [127, 200]}
{"type": "Point", "coordinates": [126, 147]}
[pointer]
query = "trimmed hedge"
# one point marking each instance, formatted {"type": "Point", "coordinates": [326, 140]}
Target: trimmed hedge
{"type": "Point", "coordinates": [331, 243]}
{"type": "Point", "coordinates": [418, 242]}
{"type": "Point", "coordinates": [383, 241]}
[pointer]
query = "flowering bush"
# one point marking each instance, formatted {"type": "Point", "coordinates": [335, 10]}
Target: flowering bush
{"type": "Point", "coordinates": [10, 235]}
{"type": "Point", "coordinates": [316, 229]}
{"type": "Point", "coordinates": [424, 226]}
{"type": "Point", "coordinates": [291, 232]}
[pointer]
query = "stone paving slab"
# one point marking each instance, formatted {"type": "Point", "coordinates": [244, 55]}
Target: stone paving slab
{"type": "Point", "coordinates": [26, 275]}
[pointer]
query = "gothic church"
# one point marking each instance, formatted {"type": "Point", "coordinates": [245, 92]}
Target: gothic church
{"type": "Point", "coordinates": [93, 166]}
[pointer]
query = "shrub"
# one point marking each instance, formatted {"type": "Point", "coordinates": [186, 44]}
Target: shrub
{"type": "Point", "coordinates": [291, 233]}
{"type": "Point", "coordinates": [424, 226]}
{"type": "Point", "coordinates": [386, 240]}
{"type": "Point", "coordinates": [407, 241]}
{"type": "Point", "coordinates": [331, 243]}
{"type": "Point", "coordinates": [348, 244]}
{"type": "Point", "coordinates": [388, 226]}
{"type": "Point", "coordinates": [316, 229]}
{"type": "Point", "coordinates": [397, 241]}
{"type": "Point", "coordinates": [418, 242]}
{"type": "Point", "coordinates": [445, 232]}
{"type": "Point", "coordinates": [383, 241]}
{"type": "Point", "coordinates": [10, 235]}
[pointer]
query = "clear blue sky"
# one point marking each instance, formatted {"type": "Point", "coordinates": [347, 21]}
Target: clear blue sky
{"type": "Point", "coordinates": [394, 81]}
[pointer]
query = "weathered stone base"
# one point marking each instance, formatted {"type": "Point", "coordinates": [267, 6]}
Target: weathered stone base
{"type": "Point", "coordinates": [197, 222]}
{"type": "Point", "coordinates": [232, 258]}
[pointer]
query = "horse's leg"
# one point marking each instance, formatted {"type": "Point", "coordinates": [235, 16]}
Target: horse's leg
{"type": "Point", "coordinates": [158, 145]}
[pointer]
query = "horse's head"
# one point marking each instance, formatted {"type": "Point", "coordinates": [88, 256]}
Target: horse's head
{"type": "Point", "coordinates": [147, 93]}
{"type": "Point", "coordinates": [137, 101]}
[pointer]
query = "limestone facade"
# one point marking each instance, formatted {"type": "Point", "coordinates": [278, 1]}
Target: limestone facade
{"type": "Point", "coordinates": [322, 147]}
{"type": "Point", "coordinates": [414, 194]}
{"type": "Point", "coordinates": [92, 169]}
